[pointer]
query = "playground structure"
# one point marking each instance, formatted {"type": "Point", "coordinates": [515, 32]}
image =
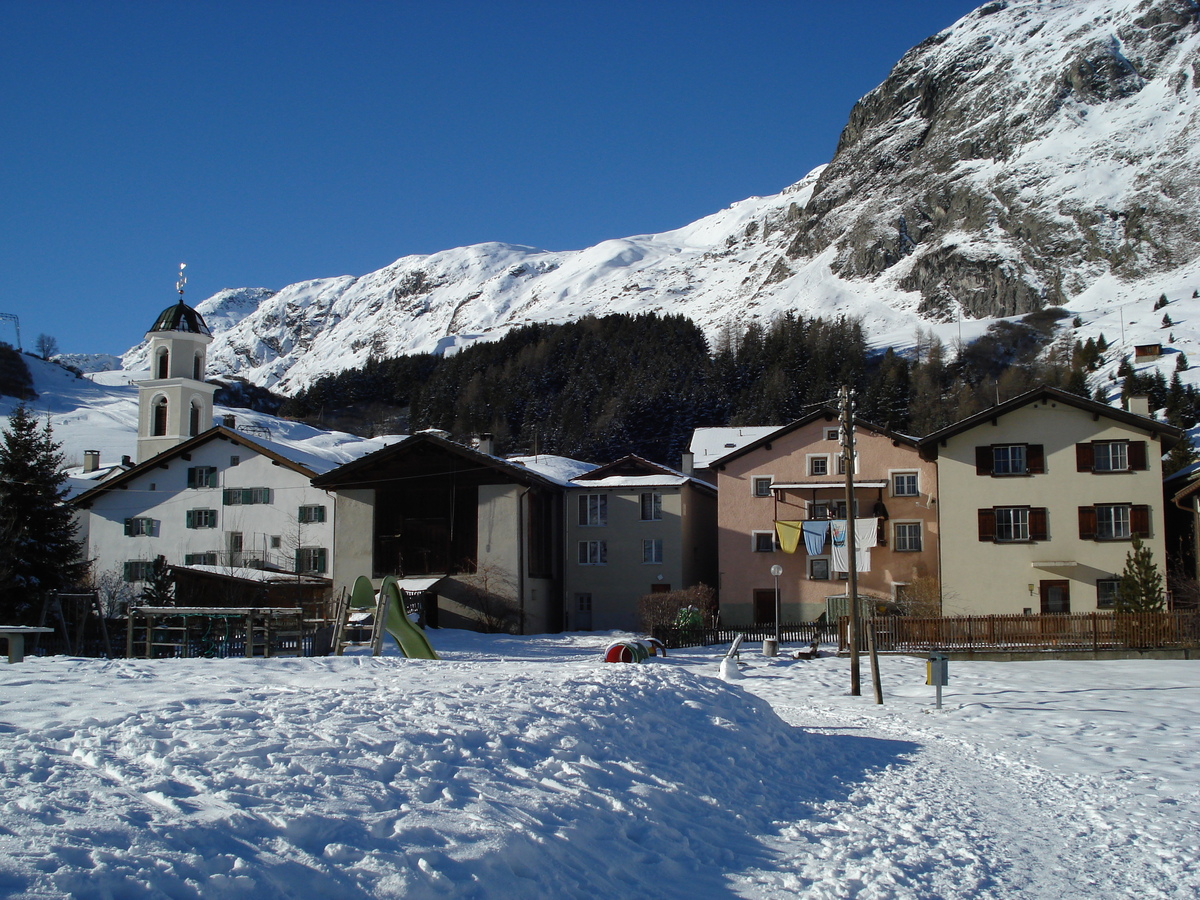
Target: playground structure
{"type": "Point", "coordinates": [389, 615]}
{"type": "Point", "coordinates": [634, 650]}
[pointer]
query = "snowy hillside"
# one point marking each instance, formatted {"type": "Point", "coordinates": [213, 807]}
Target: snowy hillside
{"type": "Point", "coordinates": [1038, 152]}
{"type": "Point", "coordinates": [526, 767]}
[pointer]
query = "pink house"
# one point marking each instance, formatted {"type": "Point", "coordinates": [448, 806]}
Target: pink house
{"type": "Point", "coordinates": [781, 500]}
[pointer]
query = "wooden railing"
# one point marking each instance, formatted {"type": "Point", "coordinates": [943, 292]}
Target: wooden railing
{"type": "Point", "coordinates": [674, 637]}
{"type": "Point", "coordinates": [1079, 631]}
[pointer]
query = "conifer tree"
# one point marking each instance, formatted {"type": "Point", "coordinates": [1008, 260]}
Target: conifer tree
{"type": "Point", "coordinates": [1141, 586]}
{"type": "Point", "coordinates": [39, 551]}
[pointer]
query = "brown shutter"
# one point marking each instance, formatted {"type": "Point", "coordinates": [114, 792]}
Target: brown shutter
{"type": "Point", "coordinates": [983, 460]}
{"type": "Point", "coordinates": [1137, 456]}
{"type": "Point", "coordinates": [1035, 459]}
{"type": "Point", "coordinates": [1085, 459]}
{"type": "Point", "coordinates": [1087, 522]}
{"type": "Point", "coordinates": [987, 524]}
{"type": "Point", "coordinates": [1139, 521]}
{"type": "Point", "coordinates": [1038, 530]}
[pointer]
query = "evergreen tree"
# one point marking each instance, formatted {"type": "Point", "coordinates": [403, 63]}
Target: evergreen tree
{"type": "Point", "coordinates": [38, 550]}
{"type": "Point", "coordinates": [1181, 362]}
{"type": "Point", "coordinates": [1141, 586]}
{"type": "Point", "coordinates": [160, 586]}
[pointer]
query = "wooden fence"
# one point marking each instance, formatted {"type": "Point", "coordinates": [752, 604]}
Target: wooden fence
{"type": "Point", "coordinates": [1081, 631]}
{"type": "Point", "coordinates": [794, 633]}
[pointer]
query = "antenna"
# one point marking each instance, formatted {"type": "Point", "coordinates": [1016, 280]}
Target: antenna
{"type": "Point", "coordinates": [182, 281]}
{"type": "Point", "coordinates": [11, 317]}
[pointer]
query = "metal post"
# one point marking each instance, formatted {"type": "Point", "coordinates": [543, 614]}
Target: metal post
{"type": "Point", "coordinates": [777, 570]}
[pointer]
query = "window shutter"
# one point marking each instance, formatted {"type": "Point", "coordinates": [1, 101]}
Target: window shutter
{"type": "Point", "coordinates": [129, 526]}
{"type": "Point", "coordinates": [191, 518]}
{"type": "Point", "coordinates": [321, 561]}
{"type": "Point", "coordinates": [1085, 458]}
{"type": "Point", "coordinates": [1087, 522]}
{"type": "Point", "coordinates": [191, 478]}
{"type": "Point", "coordinates": [983, 460]}
{"type": "Point", "coordinates": [299, 561]}
{"type": "Point", "coordinates": [1138, 461]}
{"type": "Point", "coordinates": [1038, 530]}
{"type": "Point", "coordinates": [1139, 521]}
{"type": "Point", "coordinates": [227, 497]}
{"type": "Point", "coordinates": [211, 480]}
{"type": "Point", "coordinates": [987, 525]}
{"type": "Point", "coordinates": [1035, 459]}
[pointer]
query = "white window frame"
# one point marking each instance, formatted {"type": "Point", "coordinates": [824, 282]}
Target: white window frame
{"type": "Point", "coordinates": [1016, 526]}
{"type": "Point", "coordinates": [311, 514]}
{"type": "Point", "coordinates": [756, 540]}
{"type": "Point", "coordinates": [907, 475]}
{"type": "Point", "coordinates": [758, 480]}
{"type": "Point", "coordinates": [1015, 459]}
{"type": "Point", "coordinates": [652, 551]}
{"type": "Point", "coordinates": [139, 526]}
{"type": "Point", "coordinates": [1113, 522]}
{"type": "Point", "coordinates": [593, 510]}
{"type": "Point", "coordinates": [206, 558]}
{"type": "Point", "coordinates": [311, 560]}
{"type": "Point", "coordinates": [1112, 601]}
{"type": "Point", "coordinates": [903, 544]}
{"type": "Point", "coordinates": [833, 434]}
{"type": "Point", "coordinates": [812, 460]}
{"type": "Point", "coordinates": [201, 518]}
{"type": "Point", "coordinates": [593, 553]}
{"type": "Point", "coordinates": [653, 499]}
{"type": "Point", "coordinates": [200, 477]}
{"type": "Point", "coordinates": [1122, 457]}
{"type": "Point", "coordinates": [141, 569]}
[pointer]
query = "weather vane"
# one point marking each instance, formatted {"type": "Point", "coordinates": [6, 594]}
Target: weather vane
{"type": "Point", "coordinates": [182, 281]}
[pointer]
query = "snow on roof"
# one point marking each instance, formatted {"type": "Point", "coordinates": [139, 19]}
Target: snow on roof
{"type": "Point", "coordinates": [712, 443]}
{"type": "Point", "coordinates": [660, 480]}
{"type": "Point", "coordinates": [560, 469]}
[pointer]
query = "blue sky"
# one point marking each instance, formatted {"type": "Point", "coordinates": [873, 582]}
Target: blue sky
{"type": "Point", "coordinates": [265, 143]}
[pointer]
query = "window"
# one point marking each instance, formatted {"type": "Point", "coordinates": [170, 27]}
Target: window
{"type": "Point", "coordinates": [311, 513]}
{"type": "Point", "coordinates": [593, 553]}
{"type": "Point", "coordinates": [235, 460]}
{"type": "Point", "coordinates": [651, 507]}
{"type": "Point", "coordinates": [819, 511]}
{"type": "Point", "coordinates": [198, 367]}
{"type": "Point", "coordinates": [202, 476]}
{"type": "Point", "coordinates": [832, 434]}
{"type": "Point", "coordinates": [593, 509]}
{"type": "Point", "coordinates": [907, 537]}
{"type": "Point", "coordinates": [1004, 524]}
{"type": "Point", "coordinates": [246, 496]}
{"type": "Point", "coordinates": [818, 569]}
{"type": "Point", "coordinates": [762, 485]}
{"type": "Point", "coordinates": [818, 465]}
{"type": "Point", "coordinates": [138, 570]}
{"type": "Point", "coordinates": [311, 559]}
{"type": "Point", "coordinates": [159, 414]}
{"type": "Point", "coordinates": [1110, 456]}
{"type": "Point", "coordinates": [1010, 459]}
{"type": "Point", "coordinates": [904, 484]}
{"type": "Point", "coordinates": [201, 518]}
{"type": "Point", "coordinates": [194, 419]}
{"type": "Point", "coordinates": [583, 602]}
{"type": "Point", "coordinates": [200, 559]}
{"type": "Point", "coordinates": [164, 365]}
{"type": "Point", "coordinates": [652, 551]}
{"type": "Point", "coordinates": [139, 526]}
{"type": "Point", "coordinates": [1012, 524]}
{"type": "Point", "coordinates": [841, 464]}
{"type": "Point", "coordinates": [764, 542]}
{"type": "Point", "coordinates": [1106, 592]}
{"type": "Point", "coordinates": [276, 541]}
{"type": "Point", "coordinates": [1114, 521]}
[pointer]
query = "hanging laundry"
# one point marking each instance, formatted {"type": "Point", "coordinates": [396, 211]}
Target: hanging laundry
{"type": "Point", "coordinates": [839, 557]}
{"type": "Point", "coordinates": [815, 534]}
{"type": "Point", "coordinates": [789, 535]}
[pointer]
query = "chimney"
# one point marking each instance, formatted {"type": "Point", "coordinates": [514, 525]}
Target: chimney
{"type": "Point", "coordinates": [1139, 404]}
{"type": "Point", "coordinates": [485, 444]}
{"type": "Point", "coordinates": [687, 463]}
{"type": "Point", "coordinates": [127, 462]}
{"type": "Point", "coordinates": [229, 421]}
{"type": "Point", "coordinates": [91, 461]}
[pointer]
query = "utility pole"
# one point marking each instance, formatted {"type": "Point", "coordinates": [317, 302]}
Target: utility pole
{"type": "Point", "coordinates": [846, 397]}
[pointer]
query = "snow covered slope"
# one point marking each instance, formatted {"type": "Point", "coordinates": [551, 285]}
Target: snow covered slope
{"type": "Point", "coordinates": [1037, 152]}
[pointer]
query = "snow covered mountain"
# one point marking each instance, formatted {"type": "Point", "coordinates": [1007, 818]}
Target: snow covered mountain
{"type": "Point", "coordinates": [1037, 152]}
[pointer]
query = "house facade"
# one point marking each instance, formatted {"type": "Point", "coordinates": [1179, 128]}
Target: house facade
{"type": "Point", "coordinates": [774, 489]}
{"type": "Point", "coordinates": [219, 499]}
{"type": "Point", "coordinates": [1040, 499]}
{"type": "Point", "coordinates": [634, 528]}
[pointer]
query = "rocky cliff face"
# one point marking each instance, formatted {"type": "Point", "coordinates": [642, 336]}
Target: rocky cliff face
{"type": "Point", "coordinates": [1038, 152]}
{"type": "Point", "coordinates": [1019, 155]}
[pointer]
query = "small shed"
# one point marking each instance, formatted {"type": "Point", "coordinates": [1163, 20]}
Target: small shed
{"type": "Point", "coordinates": [1146, 352]}
{"type": "Point", "coordinates": [225, 586]}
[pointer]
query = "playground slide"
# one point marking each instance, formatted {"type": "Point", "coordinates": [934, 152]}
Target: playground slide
{"type": "Point", "coordinates": [406, 633]}
{"type": "Point", "coordinates": [362, 595]}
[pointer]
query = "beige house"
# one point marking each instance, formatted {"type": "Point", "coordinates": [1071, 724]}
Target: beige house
{"type": "Point", "coordinates": [634, 528]}
{"type": "Point", "coordinates": [773, 489]}
{"type": "Point", "coordinates": [1040, 499]}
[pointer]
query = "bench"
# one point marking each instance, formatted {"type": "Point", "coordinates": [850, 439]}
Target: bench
{"type": "Point", "coordinates": [15, 635]}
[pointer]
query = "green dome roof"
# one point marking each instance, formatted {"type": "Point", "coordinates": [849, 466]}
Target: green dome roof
{"type": "Point", "coordinates": [180, 317]}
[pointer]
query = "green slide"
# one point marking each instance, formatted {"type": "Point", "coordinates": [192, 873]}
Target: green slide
{"type": "Point", "coordinates": [362, 595]}
{"type": "Point", "coordinates": [406, 633]}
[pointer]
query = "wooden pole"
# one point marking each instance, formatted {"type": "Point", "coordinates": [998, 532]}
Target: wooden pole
{"type": "Point", "coordinates": [847, 404]}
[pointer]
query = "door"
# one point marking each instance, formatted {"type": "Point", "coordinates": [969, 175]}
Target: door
{"type": "Point", "coordinates": [764, 607]}
{"type": "Point", "coordinates": [1056, 597]}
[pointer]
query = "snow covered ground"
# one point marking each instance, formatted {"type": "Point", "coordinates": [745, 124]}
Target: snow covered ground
{"type": "Point", "coordinates": [526, 767]}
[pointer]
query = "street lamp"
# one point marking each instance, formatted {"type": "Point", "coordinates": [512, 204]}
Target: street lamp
{"type": "Point", "coordinates": [777, 570]}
